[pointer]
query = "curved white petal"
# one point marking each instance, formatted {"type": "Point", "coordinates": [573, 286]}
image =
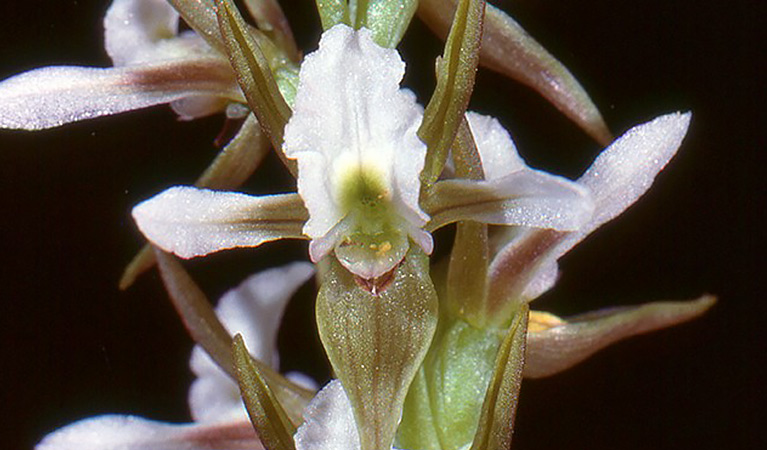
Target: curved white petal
{"type": "Point", "coordinates": [114, 432]}
{"type": "Point", "coordinates": [618, 177]}
{"type": "Point", "coordinates": [253, 309]}
{"type": "Point", "coordinates": [328, 422]}
{"type": "Point", "coordinates": [52, 96]}
{"type": "Point", "coordinates": [193, 222]}
{"type": "Point", "coordinates": [132, 29]}
{"type": "Point", "coordinates": [350, 113]}
{"type": "Point", "coordinates": [627, 168]}
{"type": "Point", "coordinates": [495, 147]}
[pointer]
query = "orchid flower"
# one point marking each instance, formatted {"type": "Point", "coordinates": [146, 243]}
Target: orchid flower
{"type": "Point", "coordinates": [470, 378]}
{"type": "Point", "coordinates": [353, 133]}
{"type": "Point", "coordinates": [253, 309]}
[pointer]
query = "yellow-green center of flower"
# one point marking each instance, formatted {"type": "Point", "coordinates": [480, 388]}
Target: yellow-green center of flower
{"type": "Point", "coordinates": [375, 242]}
{"type": "Point", "coordinates": [364, 188]}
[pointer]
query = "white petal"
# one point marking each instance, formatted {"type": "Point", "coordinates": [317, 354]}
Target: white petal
{"type": "Point", "coordinates": [194, 222]}
{"type": "Point", "coordinates": [132, 29]}
{"type": "Point", "coordinates": [328, 422]}
{"type": "Point", "coordinates": [626, 169]}
{"type": "Point", "coordinates": [134, 433]}
{"type": "Point", "coordinates": [618, 177]}
{"type": "Point", "coordinates": [52, 96]}
{"type": "Point", "coordinates": [253, 309]}
{"type": "Point", "coordinates": [350, 112]}
{"type": "Point", "coordinates": [524, 198]}
{"type": "Point", "coordinates": [496, 149]}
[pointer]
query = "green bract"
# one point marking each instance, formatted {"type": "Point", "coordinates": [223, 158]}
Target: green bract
{"type": "Point", "coordinates": [376, 342]}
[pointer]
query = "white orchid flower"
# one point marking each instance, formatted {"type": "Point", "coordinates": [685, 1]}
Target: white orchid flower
{"type": "Point", "coordinates": [154, 64]}
{"type": "Point", "coordinates": [254, 309]}
{"type": "Point", "coordinates": [353, 133]}
{"type": "Point", "coordinates": [525, 262]}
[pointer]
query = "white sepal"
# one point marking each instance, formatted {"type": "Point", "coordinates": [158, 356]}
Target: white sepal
{"type": "Point", "coordinates": [193, 222]}
{"type": "Point", "coordinates": [619, 176]}
{"type": "Point", "coordinates": [52, 96]}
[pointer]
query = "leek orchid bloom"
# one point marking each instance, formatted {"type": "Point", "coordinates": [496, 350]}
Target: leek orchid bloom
{"type": "Point", "coordinates": [353, 133]}
{"type": "Point", "coordinates": [523, 262]}
{"type": "Point", "coordinates": [253, 309]}
{"type": "Point", "coordinates": [154, 64]}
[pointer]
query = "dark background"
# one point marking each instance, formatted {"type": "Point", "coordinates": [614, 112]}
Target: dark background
{"type": "Point", "coordinates": [74, 346]}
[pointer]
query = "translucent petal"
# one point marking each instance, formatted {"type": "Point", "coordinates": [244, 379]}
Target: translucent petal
{"type": "Point", "coordinates": [253, 309]}
{"type": "Point", "coordinates": [52, 96]}
{"type": "Point", "coordinates": [194, 107]}
{"type": "Point", "coordinates": [194, 222]}
{"type": "Point", "coordinates": [349, 112]}
{"type": "Point", "coordinates": [114, 432]}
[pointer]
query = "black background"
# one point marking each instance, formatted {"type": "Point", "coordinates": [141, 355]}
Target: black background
{"type": "Point", "coordinates": [73, 346]}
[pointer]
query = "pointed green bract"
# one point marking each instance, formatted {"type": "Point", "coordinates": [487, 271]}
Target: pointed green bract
{"type": "Point", "coordinates": [467, 273]}
{"type": "Point", "coordinates": [509, 50]}
{"type": "Point", "coordinates": [456, 70]}
{"type": "Point", "coordinates": [470, 256]}
{"type": "Point", "coordinates": [387, 19]}
{"type": "Point", "coordinates": [499, 408]}
{"type": "Point", "coordinates": [238, 160]}
{"type": "Point", "coordinates": [254, 76]}
{"type": "Point", "coordinates": [269, 419]}
{"type": "Point", "coordinates": [466, 158]}
{"type": "Point", "coordinates": [376, 343]}
{"type": "Point", "coordinates": [205, 328]}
